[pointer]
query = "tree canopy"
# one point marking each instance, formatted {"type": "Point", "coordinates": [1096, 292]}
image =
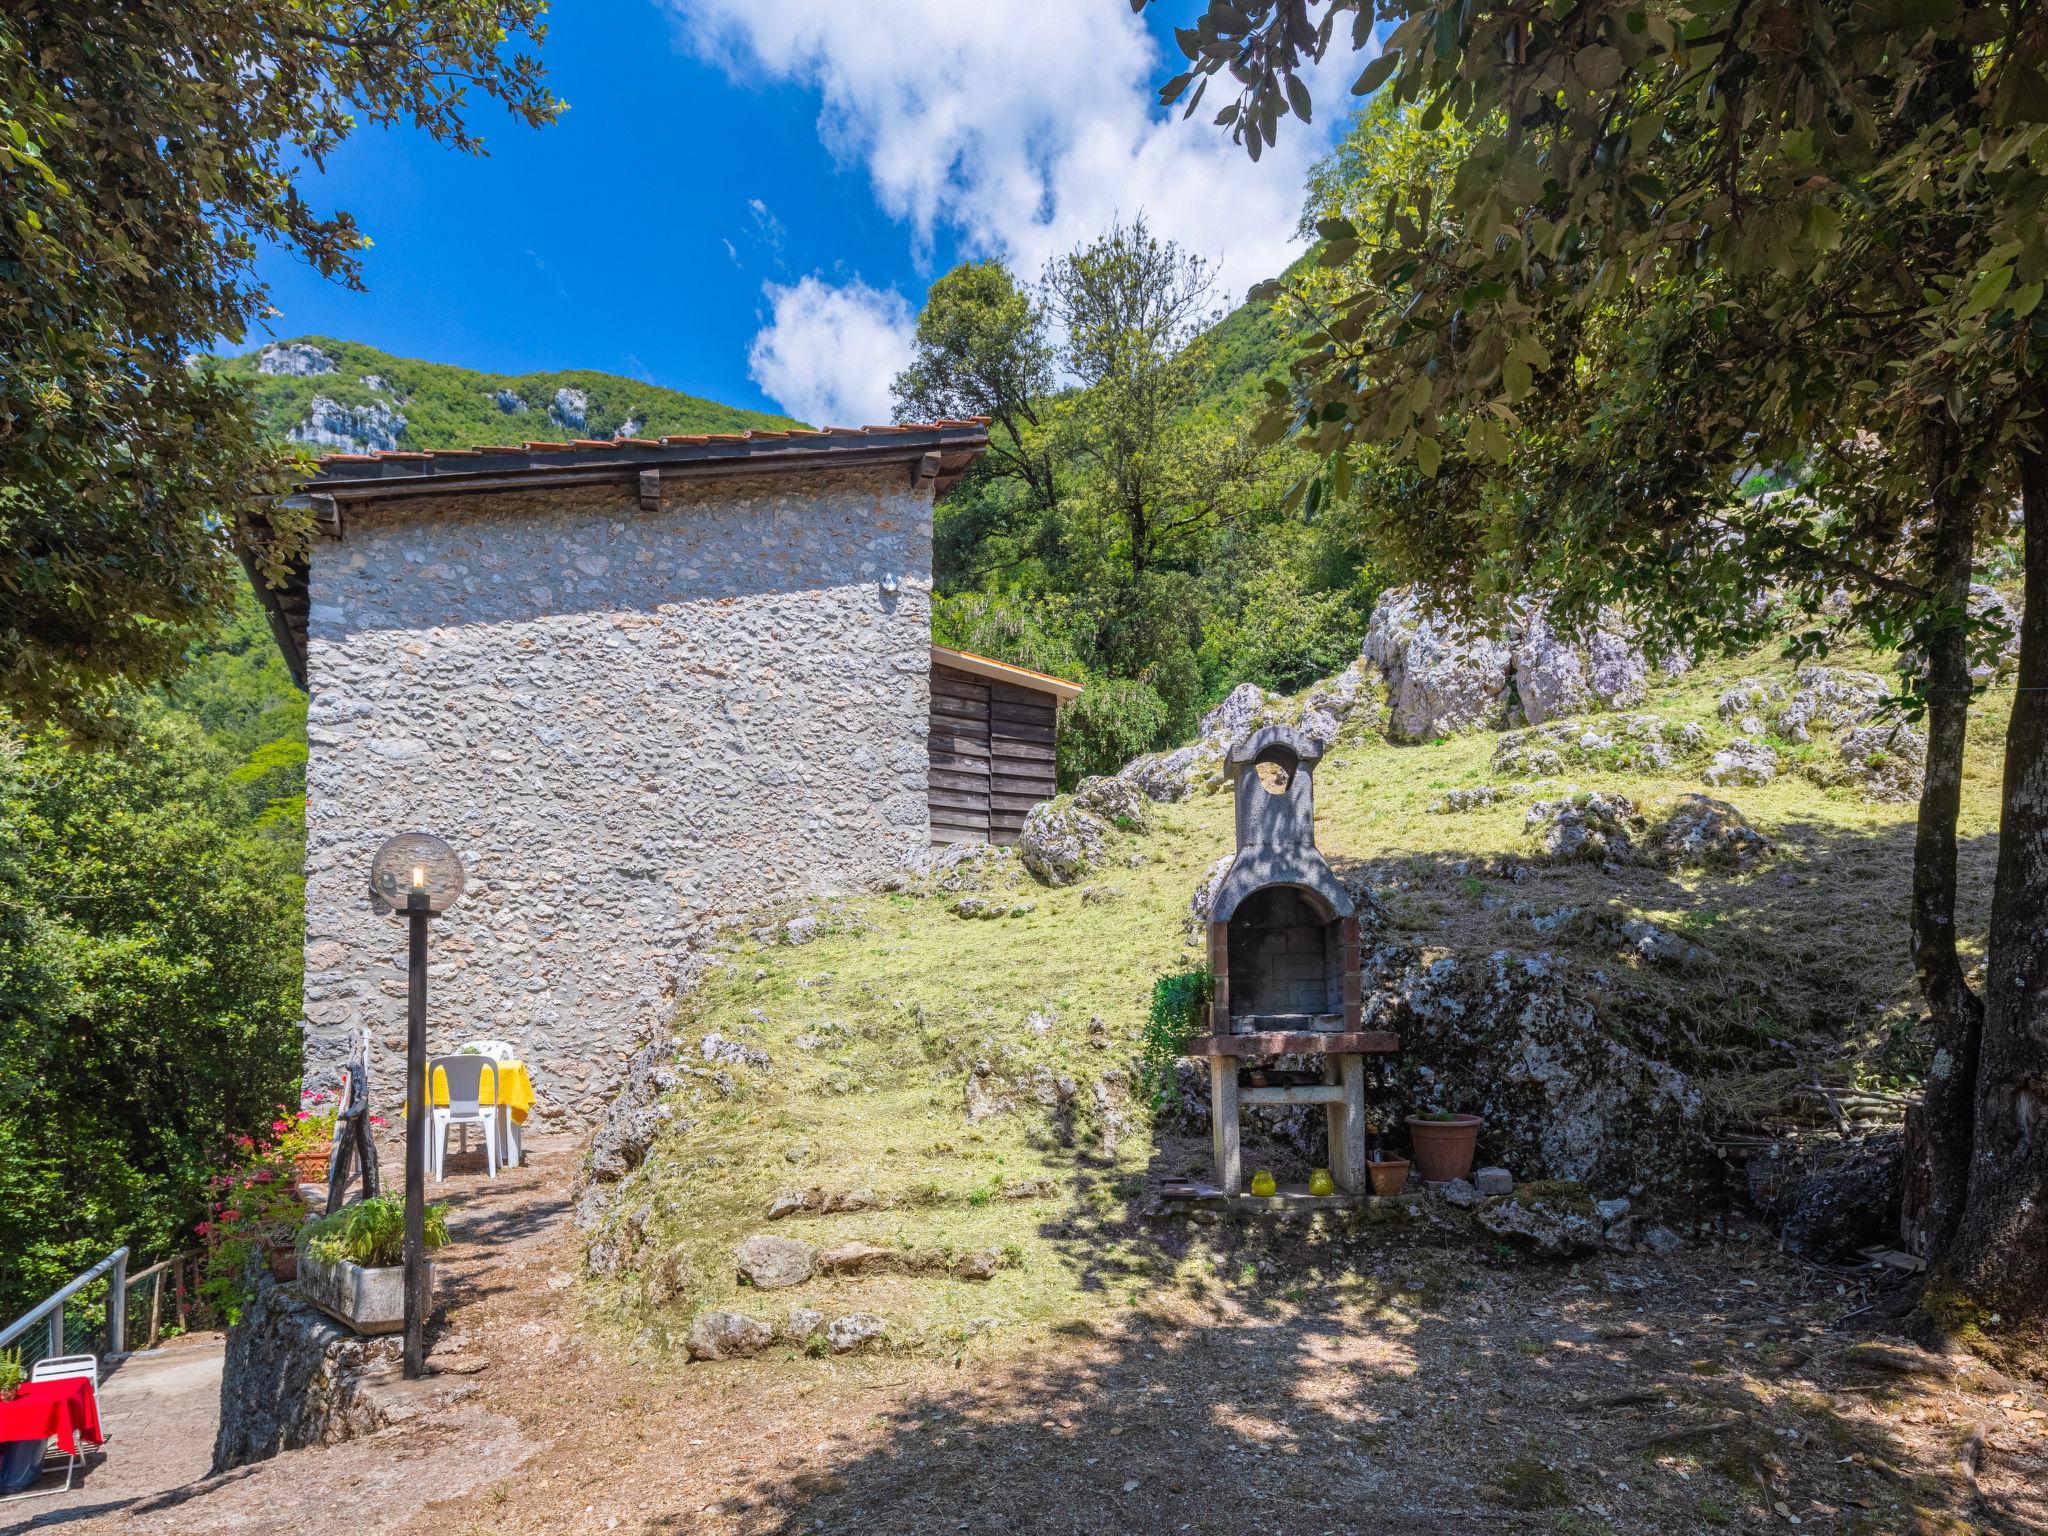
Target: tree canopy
{"type": "Point", "coordinates": [147, 148]}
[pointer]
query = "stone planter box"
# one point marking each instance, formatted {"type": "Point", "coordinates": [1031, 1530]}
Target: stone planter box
{"type": "Point", "coordinates": [371, 1301]}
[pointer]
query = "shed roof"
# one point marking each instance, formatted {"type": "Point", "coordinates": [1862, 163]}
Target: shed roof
{"type": "Point", "coordinates": [1005, 672]}
{"type": "Point", "coordinates": [935, 454]}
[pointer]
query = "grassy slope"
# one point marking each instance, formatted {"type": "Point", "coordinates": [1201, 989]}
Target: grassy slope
{"type": "Point", "coordinates": [906, 997]}
{"type": "Point", "coordinates": [450, 407]}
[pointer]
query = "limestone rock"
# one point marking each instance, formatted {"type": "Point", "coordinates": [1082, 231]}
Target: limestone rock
{"type": "Point", "coordinates": [772, 1263]}
{"type": "Point", "coordinates": [1457, 801]}
{"type": "Point", "coordinates": [570, 409]}
{"type": "Point", "coordinates": [371, 428]}
{"type": "Point", "coordinates": [1442, 675]}
{"type": "Point", "coordinates": [728, 1336]}
{"type": "Point", "coordinates": [1662, 1240]}
{"type": "Point", "coordinates": [1742, 761]}
{"type": "Point", "coordinates": [1834, 1199]}
{"type": "Point", "coordinates": [1493, 1181]}
{"type": "Point", "coordinates": [294, 359]}
{"type": "Point", "coordinates": [803, 1324]}
{"type": "Point", "coordinates": [844, 1200]}
{"type": "Point", "coordinates": [1558, 675]}
{"type": "Point", "coordinates": [854, 1331]}
{"type": "Point", "coordinates": [981, 1264]}
{"type": "Point", "coordinates": [792, 1201]}
{"type": "Point", "coordinates": [1828, 699]}
{"type": "Point", "coordinates": [1517, 1039]}
{"type": "Point", "coordinates": [987, 1094]}
{"type": "Point", "coordinates": [1701, 831]}
{"type": "Point", "coordinates": [1634, 742]}
{"type": "Point", "coordinates": [294, 1377]}
{"type": "Point", "coordinates": [1061, 843]}
{"type": "Point", "coordinates": [508, 401]}
{"type": "Point", "coordinates": [637, 1115]}
{"type": "Point", "coordinates": [1886, 762]}
{"type": "Point", "coordinates": [1591, 825]}
{"type": "Point", "coordinates": [1117, 801]}
{"type": "Point", "coordinates": [1549, 1225]}
{"type": "Point", "coordinates": [855, 1258]}
{"type": "Point", "coordinates": [1462, 1193]}
{"type": "Point", "coordinates": [1203, 901]}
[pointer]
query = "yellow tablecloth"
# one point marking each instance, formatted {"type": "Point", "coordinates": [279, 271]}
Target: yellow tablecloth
{"type": "Point", "coordinates": [512, 1078]}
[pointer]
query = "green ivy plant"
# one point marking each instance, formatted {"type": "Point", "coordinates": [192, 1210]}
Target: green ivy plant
{"type": "Point", "coordinates": [1179, 1010]}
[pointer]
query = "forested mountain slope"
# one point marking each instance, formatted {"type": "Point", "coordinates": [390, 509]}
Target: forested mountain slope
{"type": "Point", "coordinates": [343, 396]}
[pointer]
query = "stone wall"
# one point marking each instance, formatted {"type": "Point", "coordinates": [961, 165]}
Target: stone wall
{"type": "Point", "coordinates": [630, 725]}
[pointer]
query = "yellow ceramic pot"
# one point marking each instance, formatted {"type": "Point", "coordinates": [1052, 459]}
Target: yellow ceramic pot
{"type": "Point", "coordinates": [1320, 1183]}
{"type": "Point", "coordinates": [1263, 1184]}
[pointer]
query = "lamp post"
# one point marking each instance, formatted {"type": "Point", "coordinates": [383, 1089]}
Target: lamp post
{"type": "Point", "coordinates": [419, 875]}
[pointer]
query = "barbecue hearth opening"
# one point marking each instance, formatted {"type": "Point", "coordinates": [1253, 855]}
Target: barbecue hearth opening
{"type": "Point", "coordinates": [1286, 961]}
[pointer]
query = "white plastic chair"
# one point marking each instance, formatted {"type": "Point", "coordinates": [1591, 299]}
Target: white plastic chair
{"type": "Point", "coordinates": [464, 1077]}
{"type": "Point", "coordinates": [68, 1368]}
{"type": "Point", "coordinates": [511, 1145]}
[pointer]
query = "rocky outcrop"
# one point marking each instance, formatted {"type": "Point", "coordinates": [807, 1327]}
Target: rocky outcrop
{"type": "Point", "coordinates": [570, 409]}
{"type": "Point", "coordinates": [1515, 1039]}
{"type": "Point", "coordinates": [295, 1377]}
{"type": "Point", "coordinates": [1549, 1220]}
{"type": "Point", "coordinates": [1588, 825]}
{"type": "Point", "coordinates": [1704, 833]}
{"type": "Point", "coordinates": [1832, 1200]}
{"type": "Point", "coordinates": [727, 1336]}
{"type": "Point", "coordinates": [1061, 843]}
{"type": "Point", "coordinates": [1321, 714]}
{"type": "Point", "coordinates": [1442, 675]}
{"type": "Point", "coordinates": [371, 428]}
{"type": "Point", "coordinates": [294, 360]}
{"type": "Point", "coordinates": [1637, 742]}
{"type": "Point", "coordinates": [1115, 800]}
{"type": "Point", "coordinates": [637, 1115]}
{"type": "Point", "coordinates": [1886, 761]}
{"type": "Point", "coordinates": [1742, 761]}
{"type": "Point", "coordinates": [1445, 674]}
{"type": "Point", "coordinates": [508, 401]}
{"type": "Point", "coordinates": [1558, 675]}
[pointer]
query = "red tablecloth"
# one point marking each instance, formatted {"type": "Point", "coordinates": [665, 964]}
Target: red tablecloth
{"type": "Point", "coordinates": [66, 1409]}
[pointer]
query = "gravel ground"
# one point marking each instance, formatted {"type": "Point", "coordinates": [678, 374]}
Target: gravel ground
{"type": "Point", "coordinates": [1413, 1383]}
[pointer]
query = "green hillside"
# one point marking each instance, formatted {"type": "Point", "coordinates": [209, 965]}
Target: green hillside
{"type": "Point", "coordinates": [367, 398]}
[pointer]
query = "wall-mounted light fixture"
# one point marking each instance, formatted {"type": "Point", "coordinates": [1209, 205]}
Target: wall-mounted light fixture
{"type": "Point", "coordinates": [889, 585]}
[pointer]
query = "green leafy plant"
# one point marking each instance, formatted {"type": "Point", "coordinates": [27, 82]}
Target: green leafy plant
{"type": "Point", "coordinates": [370, 1233]}
{"type": "Point", "coordinates": [1179, 1008]}
{"type": "Point", "coordinates": [11, 1374]}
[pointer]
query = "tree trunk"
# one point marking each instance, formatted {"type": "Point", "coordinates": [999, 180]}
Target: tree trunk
{"type": "Point", "coordinates": [1938, 1128]}
{"type": "Point", "coordinates": [2000, 1255]}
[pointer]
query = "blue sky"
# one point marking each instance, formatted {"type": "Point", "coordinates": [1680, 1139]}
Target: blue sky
{"type": "Point", "coordinates": [748, 198]}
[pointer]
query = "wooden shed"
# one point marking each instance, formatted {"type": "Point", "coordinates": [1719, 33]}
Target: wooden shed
{"type": "Point", "coordinates": [991, 745]}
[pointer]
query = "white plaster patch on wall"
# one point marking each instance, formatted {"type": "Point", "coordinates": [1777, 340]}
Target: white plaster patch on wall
{"type": "Point", "coordinates": [630, 725]}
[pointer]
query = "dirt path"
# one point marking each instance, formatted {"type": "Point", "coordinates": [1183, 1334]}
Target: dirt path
{"type": "Point", "coordinates": [1716, 1390]}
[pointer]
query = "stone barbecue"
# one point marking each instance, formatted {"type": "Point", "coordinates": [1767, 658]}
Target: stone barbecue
{"type": "Point", "coordinates": [1284, 951]}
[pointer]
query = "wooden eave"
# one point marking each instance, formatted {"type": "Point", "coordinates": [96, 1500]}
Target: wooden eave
{"type": "Point", "coordinates": [1005, 672]}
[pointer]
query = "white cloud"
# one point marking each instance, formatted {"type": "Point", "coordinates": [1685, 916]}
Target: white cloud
{"type": "Point", "coordinates": [1025, 126]}
{"type": "Point", "coordinates": [828, 353]}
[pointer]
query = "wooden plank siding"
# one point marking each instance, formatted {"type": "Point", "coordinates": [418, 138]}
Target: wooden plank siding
{"type": "Point", "coordinates": [991, 751]}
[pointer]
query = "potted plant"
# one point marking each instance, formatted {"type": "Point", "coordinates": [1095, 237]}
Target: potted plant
{"type": "Point", "coordinates": [1444, 1144]}
{"type": "Point", "coordinates": [11, 1375]}
{"type": "Point", "coordinates": [1389, 1175]}
{"type": "Point", "coordinates": [306, 1139]}
{"type": "Point", "coordinates": [352, 1264]}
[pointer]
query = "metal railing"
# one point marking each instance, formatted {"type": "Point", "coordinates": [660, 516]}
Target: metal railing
{"type": "Point", "coordinates": [51, 1313]}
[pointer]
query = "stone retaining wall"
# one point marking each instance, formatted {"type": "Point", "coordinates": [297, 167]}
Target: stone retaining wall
{"type": "Point", "coordinates": [631, 725]}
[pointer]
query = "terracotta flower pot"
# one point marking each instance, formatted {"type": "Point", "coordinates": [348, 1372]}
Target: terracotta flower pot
{"type": "Point", "coordinates": [1389, 1175]}
{"type": "Point", "coordinates": [1444, 1148]}
{"type": "Point", "coordinates": [283, 1259]}
{"type": "Point", "coordinates": [310, 1167]}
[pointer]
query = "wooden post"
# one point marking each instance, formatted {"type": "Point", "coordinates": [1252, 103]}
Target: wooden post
{"type": "Point", "coordinates": [1353, 1180]}
{"type": "Point", "coordinates": [1342, 1173]}
{"type": "Point", "coordinates": [1223, 1123]}
{"type": "Point", "coordinates": [417, 1300]}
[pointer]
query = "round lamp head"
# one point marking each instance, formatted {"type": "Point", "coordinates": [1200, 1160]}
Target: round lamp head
{"type": "Point", "coordinates": [416, 864]}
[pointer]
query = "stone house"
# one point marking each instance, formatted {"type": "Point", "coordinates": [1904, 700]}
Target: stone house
{"type": "Point", "coordinates": [642, 688]}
